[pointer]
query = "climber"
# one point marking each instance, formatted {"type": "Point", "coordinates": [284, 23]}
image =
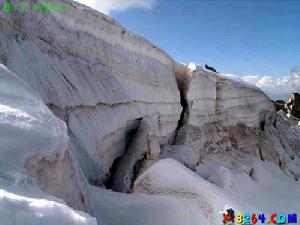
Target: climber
{"type": "Point", "coordinates": [210, 68]}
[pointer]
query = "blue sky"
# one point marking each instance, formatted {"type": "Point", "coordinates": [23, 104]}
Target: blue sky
{"type": "Point", "coordinates": [256, 40]}
{"type": "Point", "coordinates": [243, 37]}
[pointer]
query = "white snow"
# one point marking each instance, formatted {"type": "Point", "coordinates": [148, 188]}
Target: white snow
{"type": "Point", "coordinates": [18, 209]}
{"type": "Point", "coordinates": [270, 191]}
{"type": "Point", "coordinates": [192, 66]}
{"type": "Point", "coordinates": [136, 209]}
{"type": "Point", "coordinates": [102, 79]}
{"type": "Point", "coordinates": [29, 130]}
{"type": "Point", "coordinates": [170, 178]}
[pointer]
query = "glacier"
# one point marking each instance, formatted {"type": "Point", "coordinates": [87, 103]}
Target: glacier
{"type": "Point", "coordinates": [29, 131]}
{"type": "Point", "coordinates": [99, 126]}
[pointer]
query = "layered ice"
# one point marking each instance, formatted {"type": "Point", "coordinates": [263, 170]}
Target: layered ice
{"type": "Point", "coordinates": [127, 109]}
{"type": "Point", "coordinates": [29, 132]}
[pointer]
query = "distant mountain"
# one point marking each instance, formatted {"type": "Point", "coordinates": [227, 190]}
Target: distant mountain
{"type": "Point", "coordinates": [276, 88]}
{"type": "Point", "coordinates": [281, 88]}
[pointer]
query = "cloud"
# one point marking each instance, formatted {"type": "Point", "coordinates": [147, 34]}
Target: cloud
{"type": "Point", "coordinates": [251, 79]}
{"type": "Point", "coordinates": [279, 88]}
{"type": "Point", "coordinates": [107, 6]}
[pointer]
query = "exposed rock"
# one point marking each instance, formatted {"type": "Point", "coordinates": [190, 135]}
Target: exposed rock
{"type": "Point", "coordinates": [279, 105]}
{"type": "Point", "coordinates": [288, 118]}
{"type": "Point", "coordinates": [293, 105]}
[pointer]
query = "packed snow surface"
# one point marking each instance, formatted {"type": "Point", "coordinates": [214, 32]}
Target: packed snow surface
{"type": "Point", "coordinates": [29, 130]}
{"type": "Point", "coordinates": [179, 141]}
{"type": "Point", "coordinates": [213, 186]}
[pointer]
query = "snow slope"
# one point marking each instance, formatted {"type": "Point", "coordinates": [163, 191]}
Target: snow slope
{"type": "Point", "coordinates": [28, 130]}
{"type": "Point", "coordinates": [213, 186]}
{"type": "Point", "coordinates": [127, 105]}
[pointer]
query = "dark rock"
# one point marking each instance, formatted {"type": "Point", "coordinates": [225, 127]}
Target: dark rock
{"type": "Point", "coordinates": [279, 105]}
{"type": "Point", "coordinates": [293, 105]}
